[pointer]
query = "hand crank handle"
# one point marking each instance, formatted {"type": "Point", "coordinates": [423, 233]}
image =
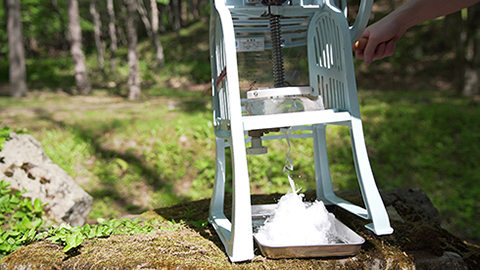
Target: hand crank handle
{"type": "Point", "coordinates": [360, 44]}
{"type": "Point", "coordinates": [364, 10]}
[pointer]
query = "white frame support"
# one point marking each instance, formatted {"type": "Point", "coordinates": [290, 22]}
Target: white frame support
{"type": "Point", "coordinates": [332, 76]}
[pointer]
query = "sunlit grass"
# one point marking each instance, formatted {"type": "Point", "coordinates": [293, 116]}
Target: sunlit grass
{"type": "Point", "coordinates": [429, 142]}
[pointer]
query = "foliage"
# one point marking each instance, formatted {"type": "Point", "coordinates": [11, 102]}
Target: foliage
{"type": "Point", "coordinates": [50, 72]}
{"type": "Point", "coordinates": [3, 34]}
{"type": "Point", "coordinates": [4, 135]}
{"type": "Point", "coordinates": [163, 2]}
{"type": "Point", "coordinates": [42, 24]}
{"type": "Point", "coordinates": [20, 219]}
{"type": "Point", "coordinates": [73, 237]}
{"type": "Point", "coordinates": [21, 223]}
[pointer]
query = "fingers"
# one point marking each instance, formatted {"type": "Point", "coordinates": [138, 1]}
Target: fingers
{"type": "Point", "coordinates": [390, 48]}
{"type": "Point", "coordinates": [360, 54]}
{"type": "Point", "coordinates": [380, 51]}
{"type": "Point", "coordinates": [373, 52]}
{"type": "Point", "coordinates": [369, 51]}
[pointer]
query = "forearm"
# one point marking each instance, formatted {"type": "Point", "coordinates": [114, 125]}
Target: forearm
{"type": "Point", "coordinates": [383, 34]}
{"type": "Point", "coordinates": [418, 11]}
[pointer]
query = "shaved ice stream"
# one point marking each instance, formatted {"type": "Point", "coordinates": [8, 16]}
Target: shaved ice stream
{"type": "Point", "coordinates": [295, 223]}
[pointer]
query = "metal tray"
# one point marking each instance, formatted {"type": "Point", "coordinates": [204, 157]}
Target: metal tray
{"type": "Point", "coordinates": [349, 245]}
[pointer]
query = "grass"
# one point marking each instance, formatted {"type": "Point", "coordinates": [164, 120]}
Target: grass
{"type": "Point", "coordinates": [136, 156]}
{"type": "Point", "coordinates": [429, 141]}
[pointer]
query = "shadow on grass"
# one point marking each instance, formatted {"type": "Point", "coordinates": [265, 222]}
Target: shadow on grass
{"type": "Point", "coordinates": [188, 101]}
{"type": "Point", "coordinates": [141, 167]}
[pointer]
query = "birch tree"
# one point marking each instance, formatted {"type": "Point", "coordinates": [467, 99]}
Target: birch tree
{"type": "Point", "coordinates": [134, 90]}
{"type": "Point", "coordinates": [81, 77]}
{"type": "Point", "coordinates": [112, 33]}
{"type": "Point", "coordinates": [16, 51]}
{"type": "Point", "coordinates": [151, 25]}
{"type": "Point", "coordinates": [97, 31]}
{"type": "Point", "coordinates": [155, 27]}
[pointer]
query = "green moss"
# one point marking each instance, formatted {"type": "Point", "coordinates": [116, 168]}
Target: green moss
{"type": "Point", "coordinates": [164, 250]}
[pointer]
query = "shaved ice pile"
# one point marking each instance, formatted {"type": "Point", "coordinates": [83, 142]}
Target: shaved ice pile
{"type": "Point", "coordinates": [295, 224]}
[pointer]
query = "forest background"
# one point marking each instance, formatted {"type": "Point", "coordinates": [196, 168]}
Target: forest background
{"type": "Point", "coordinates": [118, 93]}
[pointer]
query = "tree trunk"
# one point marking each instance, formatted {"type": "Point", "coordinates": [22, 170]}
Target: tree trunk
{"type": "Point", "coordinates": [156, 38]}
{"type": "Point", "coordinates": [113, 34]}
{"type": "Point", "coordinates": [161, 24]}
{"type": "Point", "coordinates": [144, 16]}
{"type": "Point", "coordinates": [175, 7]}
{"type": "Point", "coordinates": [133, 78]}
{"type": "Point", "coordinates": [81, 77]}
{"type": "Point", "coordinates": [121, 35]}
{"type": "Point", "coordinates": [201, 6]}
{"type": "Point", "coordinates": [16, 51]}
{"type": "Point", "coordinates": [193, 12]}
{"type": "Point", "coordinates": [97, 31]}
{"type": "Point", "coordinates": [183, 12]}
{"type": "Point", "coordinates": [455, 33]}
{"type": "Point", "coordinates": [65, 33]}
{"type": "Point", "coordinates": [152, 28]}
{"type": "Point", "coordinates": [472, 72]}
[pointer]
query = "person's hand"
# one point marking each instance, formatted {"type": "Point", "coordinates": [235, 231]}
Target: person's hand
{"type": "Point", "coordinates": [381, 37]}
{"type": "Point", "coordinates": [383, 34]}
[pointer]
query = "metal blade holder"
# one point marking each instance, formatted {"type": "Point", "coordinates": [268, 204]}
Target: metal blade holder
{"type": "Point", "coordinates": [276, 35]}
{"type": "Point", "coordinates": [257, 147]}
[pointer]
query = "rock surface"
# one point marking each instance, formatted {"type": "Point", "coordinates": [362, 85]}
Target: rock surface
{"type": "Point", "coordinates": [26, 166]}
{"type": "Point", "coordinates": [417, 243]}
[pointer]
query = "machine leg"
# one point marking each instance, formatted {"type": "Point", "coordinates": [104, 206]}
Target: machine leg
{"type": "Point", "coordinates": [373, 202]}
{"type": "Point", "coordinates": [322, 169]}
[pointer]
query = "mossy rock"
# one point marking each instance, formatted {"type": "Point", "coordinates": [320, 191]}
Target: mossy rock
{"type": "Point", "coordinates": [163, 250]}
{"type": "Point", "coordinates": [415, 244]}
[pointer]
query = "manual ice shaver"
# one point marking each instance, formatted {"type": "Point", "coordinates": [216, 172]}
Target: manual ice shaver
{"type": "Point", "coordinates": [260, 33]}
